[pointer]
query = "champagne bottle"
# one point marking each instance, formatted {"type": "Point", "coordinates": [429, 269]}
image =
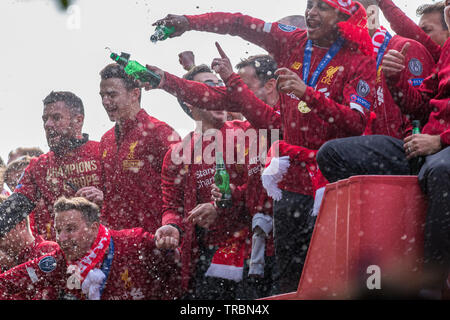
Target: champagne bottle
{"type": "Point", "coordinates": [135, 69]}
{"type": "Point", "coordinates": [416, 163]}
{"type": "Point", "coordinates": [222, 181]}
{"type": "Point", "coordinates": [161, 33]}
{"type": "Point", "coordinates": [416, 127]}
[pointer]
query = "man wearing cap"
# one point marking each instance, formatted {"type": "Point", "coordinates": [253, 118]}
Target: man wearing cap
{"type": "Point", "coordinates": [326, 82]}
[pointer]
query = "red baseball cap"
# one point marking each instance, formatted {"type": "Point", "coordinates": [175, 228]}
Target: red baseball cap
{"type": "Point", "coordinates": [355, 28]}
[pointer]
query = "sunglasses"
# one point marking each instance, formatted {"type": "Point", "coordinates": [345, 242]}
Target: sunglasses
{"type": "Point", "coordinates": [211, 83]}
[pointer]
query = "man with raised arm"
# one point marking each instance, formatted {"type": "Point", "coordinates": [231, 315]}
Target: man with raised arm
{"type": "Point", "coordinates": [389, 118]}
{"type": "Point", "coordinates": [71, 167]}
{"type": "Point", "coordinates": [432, 31]}
{"type": "Point", "coordinates": [326, 80]}
{"type": "Point", "coordinates": [383, 155]}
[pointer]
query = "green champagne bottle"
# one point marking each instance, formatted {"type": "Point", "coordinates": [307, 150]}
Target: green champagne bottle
{"type": "Point", "coordinates": [417, 162]}
{"type": "Point", "coordinates": [416, 127]}
{"type": "Point", "coordinates": [135, 69]}
{"type": "Point", "coordinates": [222, 181]}
{"type": "Point", "coordinates": [161, 33]}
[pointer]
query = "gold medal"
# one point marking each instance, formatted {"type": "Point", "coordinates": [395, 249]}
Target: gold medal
{"type": "Point", "coordinates": [303, 107]}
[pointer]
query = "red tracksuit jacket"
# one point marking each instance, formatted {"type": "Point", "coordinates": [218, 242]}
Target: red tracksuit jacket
{"type": "Point", "coordinates": [45, 180]}
{"type": "Point", "coordinates": [431, 99]}
{"type": "Point", "coordinates": [405, 27]}
{"type": "Point", "coordinates": [184, 185]}
{"type": "Point", "coordinates": [389, 119]}
{"type": "Point", "coordinates": [339, 104]}
{"type": "Point", "coordinates": [131, 167]}
{"type": "Point", "coordinates": [139, 270]}
{"type": "Point", "coordinates": [237, 97]}
{"type": "Point", "coordinates": [40, 276]}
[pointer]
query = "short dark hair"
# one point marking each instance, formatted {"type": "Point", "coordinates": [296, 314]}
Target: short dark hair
{"type": "Point", "coordinates": [431, 8]}
{"type": "Point", "coordinates": [24, 151]}
{"type": "Point", "coordinates": [264, 65]}
{"type": "Point", "coordinates": [201, 68]}
{"type": "Point", "coordinates": [72, 101]}
{"type": "Point", "coordinates": [115, 70]}
{"type": "Point", "coordinates": [89, 210]}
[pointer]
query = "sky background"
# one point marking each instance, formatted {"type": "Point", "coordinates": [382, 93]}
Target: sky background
{"type": "Point", "coordinates": [45, 49]}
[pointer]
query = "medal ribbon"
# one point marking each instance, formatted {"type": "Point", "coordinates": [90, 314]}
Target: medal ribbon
{"type": "Point", "coordinates": [383, 48]}
{"type": "Point", "coordinates": [332, 52]}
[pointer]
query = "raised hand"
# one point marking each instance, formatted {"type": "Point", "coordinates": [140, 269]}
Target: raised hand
{"type": "Point", "coordinates": [222, 65]}
{"type": "Point", "coordinates": [167, 237]}
{"type": "Point", "coordinates": [289, 82]}
{"type": "Point", "coordinates": [187, 60]}
{"type": "Point", "coordinates": [181, 24]}
{"type": "Point", "coordinates": [92, 194]}
{"type": "Point", "coordinates": [203, 215]}
{"type": "Point", "coordinates": [394, 62]}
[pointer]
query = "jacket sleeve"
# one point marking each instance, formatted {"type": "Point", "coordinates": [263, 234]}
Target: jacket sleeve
{"type": "Point", "coordinates": [163, 267]}
{"type": "Point", "coordinates": [445, 138]}
{"type": "Point", "coordinates": [271, 36]}
{"type": "Point", "coordinates": [415, 101]}
{"type": "Point", "coordinates": [36, 279]}
{"type": "Point", "coordinates": [198, 94]}
{"type": "Point", "coordinates": [405, 27]}
{"type": "Point", "coordinates": [236, 97]}
{"type": "Point", "coordinates": [13, 210]}
{"type": "Point", "coordinates": [258, 113]}
{"type": "Point", "coordinates": [425, 66]}
{"type": "Point", "coordinates": [172, 185]}
{"type": "Point", "coordinates": [352, 113]}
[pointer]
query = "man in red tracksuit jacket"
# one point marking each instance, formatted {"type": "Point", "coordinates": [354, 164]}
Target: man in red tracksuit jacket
{"type": "Point", "coordinates": [342, 158]}
{"type": "Point", "coordinates": [132, 154]}
{"type": "Point", "coordinates": [328, 100]}
{"type": "Point", "coordinates": [72, 166]}
{"type": "Point", "coordinates": [188, 175]}
{"type": "Point", "coordinates": [108, 264]}
{"type": "Point", "coordinates": [389, 118]}
{"type": "Point", "coordinates": [433, 38]}
{"type": "Point", "coordinates": [258, 72]}
{"type": "Point", "coordinates": [39, 266]}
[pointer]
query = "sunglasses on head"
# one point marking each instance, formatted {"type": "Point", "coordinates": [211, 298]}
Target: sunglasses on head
{"type": "Point", "coordinates": [211, 83]}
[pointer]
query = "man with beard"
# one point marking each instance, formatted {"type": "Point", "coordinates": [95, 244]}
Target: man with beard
{"type": "Point", "coordinates": [71, 167]}
{"type": "Point", "coordinates": [106, 264]}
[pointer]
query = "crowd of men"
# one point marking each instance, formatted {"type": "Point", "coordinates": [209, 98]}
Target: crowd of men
{"type": "Point", "coordinates": [136, 215]}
